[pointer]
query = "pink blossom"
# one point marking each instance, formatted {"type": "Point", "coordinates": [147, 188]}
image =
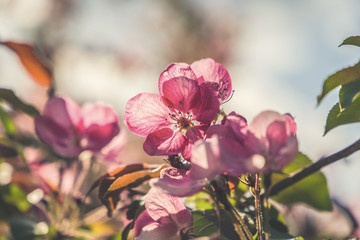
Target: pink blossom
{"type": "Point", "coordinates": [269, 143]}
{"type": "Point", "coordinates": [69, 129]}
{"type": "Point", "coordinates": [164, 218]}
{"type": "Point", "coordinates": [277, 142]}
{"type": "Point", "coordinates": [175, 119]}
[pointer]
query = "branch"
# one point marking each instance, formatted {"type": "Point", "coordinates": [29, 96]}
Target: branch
{"type": "Point", "coordinates": [314, 168]}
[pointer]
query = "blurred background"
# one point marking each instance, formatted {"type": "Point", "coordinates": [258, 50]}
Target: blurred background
{"type": "Point", "coordinates": [278, 54]}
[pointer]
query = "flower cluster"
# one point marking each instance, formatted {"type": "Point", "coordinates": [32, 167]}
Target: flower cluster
{"type": "Point", "coordinates": [181, 122]}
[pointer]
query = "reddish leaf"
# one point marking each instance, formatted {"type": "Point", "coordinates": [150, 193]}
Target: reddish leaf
{"type": "Point", "coordinates": [109, 190]}
{"type": "Point", "coordinates": [233, 182]}
{"type": "Point", "coordinates": [124, 177]}
{"type": "Point", "coordinates": [134, 179]}
{"type": "Point", "coordinates": [117, 172]}
{"type": "Point", "coordinates": [39, 72]}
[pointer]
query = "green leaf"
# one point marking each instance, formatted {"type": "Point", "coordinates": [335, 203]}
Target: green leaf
{"type": "Point", "coordinates": [7, 122]}
{"type": "Point", "coordinates": [312, 190]}
{"type": "Point", "coordinates": [348, 93]}
{"type": "Point", "coordinates": [206, 224]}
{"type": "Point", "coordinates": [354, 40]}
{"type": "Point", "coordinates": [15, 196]}
{"type": "Point", "coordinates": [9, 96]}
{"type": "Point", "coordinates": [337, 116]}
{"type": "Point", "coordinates": [201, 200]}
{"type": "Point", "coordinates": [341, 77]}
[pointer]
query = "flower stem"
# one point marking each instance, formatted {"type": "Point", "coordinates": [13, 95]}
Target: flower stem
{"type": "Point", "coordinates": [258, 207]}
{"type": "Point", "coordinates": [314, 168]}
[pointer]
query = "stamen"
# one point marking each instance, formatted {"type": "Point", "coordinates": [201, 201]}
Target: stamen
{"type": "Point", "coordinates": [231, 95]}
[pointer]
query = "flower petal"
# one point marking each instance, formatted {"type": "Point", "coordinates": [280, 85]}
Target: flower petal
{"type": "Point", "coordinates": [212, 71]}
{"type": "Point", "coordinates": [142, 220]}
{"type": "Point", "coordinates": [63, 111]}
{"type": "Point", "coordinates": [206, 104]}
{"type": "Point", "coordinates": [146, 113]}
{"type": "Point", "coordinates": [193, 134]}
{"type": "Point", "coordinates": [261, 122]}
{"type": "Point", "coordinates": [238, 125]}
{"type": "Point", "coordinates": [112, 150]}
{"type": "Point", "coordinates": [175, 70]}
{"type": "Point", "coordinates": [177, 182]}
{"type": "Point", "coordinates": [282, 147]}
{"type": "Point", "coordinates": [164, 142]}
{"type": "Point", "coordinates": [160, 205]}
{"type": "Point", "coordinates": [206, 159]}
{"type": "Point", "coordinates": [62, 140]}
{"type": "Point", "coordinates": [100, 125]}
{"type": "Point", "coordinates": [180, 93]}
{"type": "Point", "coordinates": [158, 231]}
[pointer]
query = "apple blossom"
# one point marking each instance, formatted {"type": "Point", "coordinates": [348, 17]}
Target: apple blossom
{"type": "Point", "coordinates": [269, 143]}
{"type": "Point", "coordinates": [69, 129]}
{"type": "Point", "coordinates": [175, 119]}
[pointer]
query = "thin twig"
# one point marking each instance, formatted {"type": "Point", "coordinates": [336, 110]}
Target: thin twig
{"type": "Point", "coordinates": [258, 217]}
{"type": "Point", "coordinates": [314, 168]}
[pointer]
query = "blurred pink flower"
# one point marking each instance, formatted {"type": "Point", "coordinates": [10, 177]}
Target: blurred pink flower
{"type": "Point", "coordinates": [69, 129]}
{"type": "Point", "coordinates": [175, 119]}
{"type": "Point", "coordinates": [48, 174]}
{"type": "Point", "coordinates": [277, 141]}
{"type": "Point", "coordinates": [164, 218]}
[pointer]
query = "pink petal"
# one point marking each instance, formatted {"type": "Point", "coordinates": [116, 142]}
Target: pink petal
{"type": "Point", "coordinates": [98, 136]}
{"type": "Point", "coordinates": [234, 154]}
{"type": "Point", "coordinates": [276, 135]}
{"type": "Point", "coordinates": [63, 111]}
{"type": "Point", "coordinates": [206, 104]}
{"type": "Point", "coordinates": [180, 93]}
{"type": "Point", "coordinates": [178, 183]}
{"type": "Point", "coordinates": [158, 231]}
{"type": "Point", "coordinates": [193, 134]}
{"type": "Point", "coordinates": [261, 122]}
{"type": "Point", "coordinates": [68, 180]}
{"type": "Point", "coordinates": [164, 142]}
{"type": "Point", "coordinates": [206, 160]}
{"type": "Point", "coordinates": [161, 206]}
{"type": "Point", "coordinates": [98, 114]}
{"type": "Point", "coordinates": [61, 140]}
{"type": "Point", "coordinates": [286, 154]}
{"type": "Point", "coordinates": [146, 113]}
{"type": "Point", "coordinates": [175, 70]}
{"type": "Point", "coordinates": [212, 71]}
{"type": "Point", "coordinates": [238, 125]}
{"type": "Point", "coordinates": [112, 150]}
{"type": "Point", "coordinates": [290, 124]}
{"type": "Point", "coordinates": [143, 220]}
